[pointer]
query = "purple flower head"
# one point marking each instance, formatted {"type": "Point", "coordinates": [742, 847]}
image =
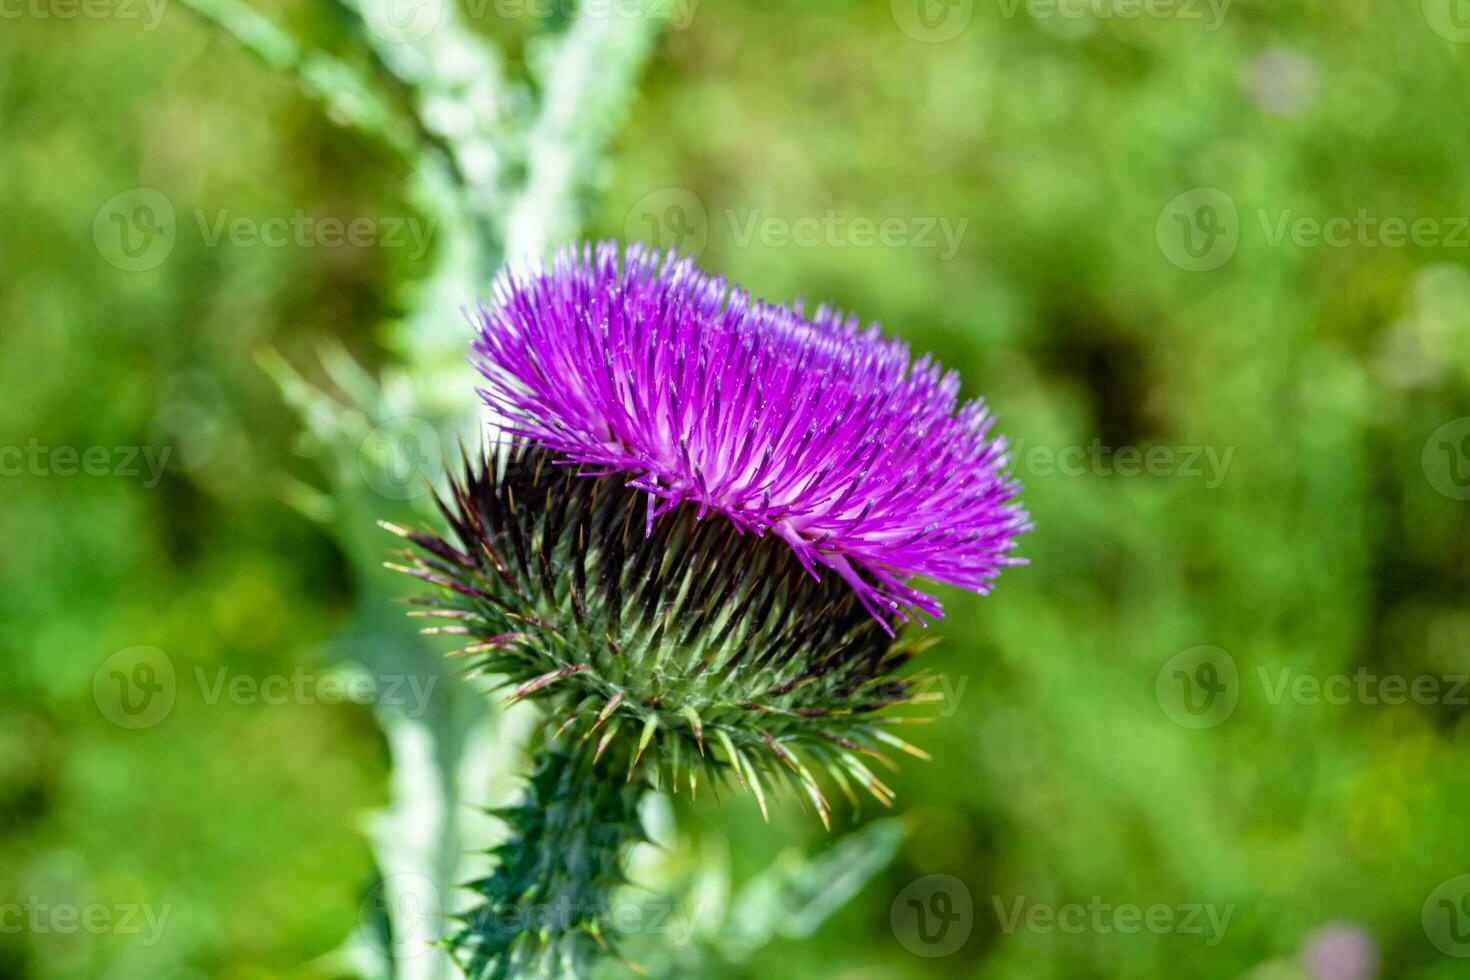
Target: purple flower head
{"type": "Point", "coordinates": [819, 431]}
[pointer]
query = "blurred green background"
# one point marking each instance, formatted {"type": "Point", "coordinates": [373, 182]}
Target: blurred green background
{"type": "Point", "coordinates": [1209, 264]}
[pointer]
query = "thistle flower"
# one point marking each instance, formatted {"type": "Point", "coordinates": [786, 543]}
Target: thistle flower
{"type": "Point", "coordinates": [644, 559]}
{"type": "Point", "coordinates": [818, 431]}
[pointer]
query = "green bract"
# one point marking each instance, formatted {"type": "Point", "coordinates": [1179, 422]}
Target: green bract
{"type": "Point", "coordinates": [704, 649]}
{"type": "Point", "coordinates": [670, 651]}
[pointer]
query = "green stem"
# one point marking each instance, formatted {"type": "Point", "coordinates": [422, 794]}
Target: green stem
{"type": "Point", "coordinates": [547, 906]}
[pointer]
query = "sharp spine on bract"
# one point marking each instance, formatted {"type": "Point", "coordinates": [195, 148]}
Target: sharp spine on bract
{"type": "Point", "coordinates": [691, 648]}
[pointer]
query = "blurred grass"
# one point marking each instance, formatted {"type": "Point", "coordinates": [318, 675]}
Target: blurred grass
{"type": "Point", "coordinates": [1325, 547]}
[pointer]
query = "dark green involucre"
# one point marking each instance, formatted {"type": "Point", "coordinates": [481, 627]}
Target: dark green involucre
{"type": "Point", "coordinates": [673, 653]}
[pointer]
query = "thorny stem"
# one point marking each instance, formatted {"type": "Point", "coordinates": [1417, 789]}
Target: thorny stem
{"type": "Point", "coordinates": [546, 908]}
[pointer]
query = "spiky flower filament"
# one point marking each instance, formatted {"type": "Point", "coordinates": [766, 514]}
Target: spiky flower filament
{"type": "Point", "coordinates": [819, 431]}
{"type": "Point", "coordinates": [706, 650]}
